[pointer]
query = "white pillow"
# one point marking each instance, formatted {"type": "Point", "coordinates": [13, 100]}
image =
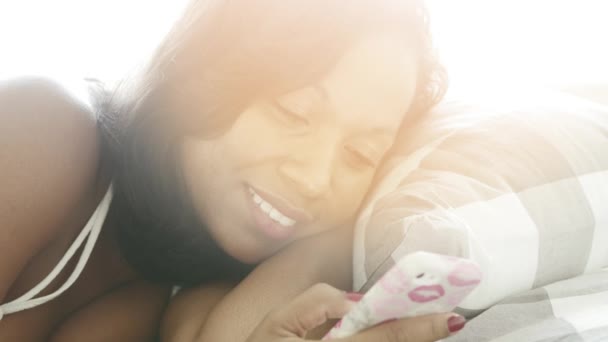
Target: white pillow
{"type": "Point", "coordinates": [519, 184]}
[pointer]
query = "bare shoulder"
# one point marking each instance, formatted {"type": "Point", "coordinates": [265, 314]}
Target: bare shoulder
{"type": "Point", "coordinates": [49, 143]}
{"type": "Point", "coordinates": [48, 156]}
{"type": "Point", "coordinates": [36, 101]}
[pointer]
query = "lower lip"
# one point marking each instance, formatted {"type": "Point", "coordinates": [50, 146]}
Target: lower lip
{"type": "Point", "coordinates": [420, 294]}
{"type": "Point", "coordinates": [265, 224]}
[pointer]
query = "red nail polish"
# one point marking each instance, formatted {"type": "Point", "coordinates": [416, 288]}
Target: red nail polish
{"type": "Point", "coordinates": [354, 296]}
{"type": "Point", "coordinates": [456, 323]}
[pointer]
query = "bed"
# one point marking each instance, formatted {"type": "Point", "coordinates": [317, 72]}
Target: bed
{"type": "Point", "coordinates": [574, 309]}
{"type": "Point", "coordinates": [518, 182]}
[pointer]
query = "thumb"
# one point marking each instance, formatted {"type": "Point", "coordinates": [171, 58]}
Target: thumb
{"type": "Point", "coordinates": [425, 328]}
{"type": "Point", "coordinates": [308, 310]}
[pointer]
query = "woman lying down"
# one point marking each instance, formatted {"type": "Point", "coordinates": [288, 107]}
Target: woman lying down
{"type": "Point", "coordinates": [227, 168]}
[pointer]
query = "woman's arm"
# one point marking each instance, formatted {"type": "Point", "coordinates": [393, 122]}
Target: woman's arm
{"type": "Point", "coordinates": [189, 309]}
{"type": "Point", "coordinates": [324, 258]}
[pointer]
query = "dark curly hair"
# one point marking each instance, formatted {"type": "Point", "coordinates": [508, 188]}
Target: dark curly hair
{"type": "Point", "coordinates": [223, 55]}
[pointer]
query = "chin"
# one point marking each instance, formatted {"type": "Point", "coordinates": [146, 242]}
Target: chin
{"type": "Point", "coordinates": [249, 259]}
{"type": "Point", "coordinates": [248, 255]}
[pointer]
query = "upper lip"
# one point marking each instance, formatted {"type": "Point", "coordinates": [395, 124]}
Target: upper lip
{"type": "Point", "coordinates": [295, 213]}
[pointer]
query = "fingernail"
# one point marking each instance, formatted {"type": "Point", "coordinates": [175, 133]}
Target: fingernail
{"type": "Point", "coordinates": [354, 296]}
{"type": "Point", "coordinates": [456, 323]}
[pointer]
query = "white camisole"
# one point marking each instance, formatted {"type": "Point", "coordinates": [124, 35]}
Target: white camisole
{"type": "Point", "coordinates": [90, 233]}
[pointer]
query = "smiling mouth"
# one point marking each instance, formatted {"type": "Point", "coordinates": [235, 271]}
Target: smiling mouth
{"type": "Point", "coordinates": [272, 212]}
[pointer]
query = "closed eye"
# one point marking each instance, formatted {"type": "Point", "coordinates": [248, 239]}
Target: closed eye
{"type": "Point", "coordinates": [290, 116]}
{"type": "Point", "coordinates": [360, 157]}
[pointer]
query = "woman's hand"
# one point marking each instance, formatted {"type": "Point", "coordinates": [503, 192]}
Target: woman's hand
{"type": "Point", "coordinates": [322, 302]}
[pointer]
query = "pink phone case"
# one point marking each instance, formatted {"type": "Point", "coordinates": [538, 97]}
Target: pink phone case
{"type": "Point", "coordinates": [420, 283]}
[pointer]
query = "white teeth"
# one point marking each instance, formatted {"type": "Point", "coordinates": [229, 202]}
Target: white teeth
{"type": "Point", "coordinates": [286, 221]}
{"type": "Point", "coordinates": [273, 213]}
{"type": "Point", "coordinates": [266, 207]}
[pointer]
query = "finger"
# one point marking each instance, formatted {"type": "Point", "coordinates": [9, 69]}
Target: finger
{"type": "Point", "coordinates": [426, 328]}
{"type": "Point", "coordinates": [310, 309]}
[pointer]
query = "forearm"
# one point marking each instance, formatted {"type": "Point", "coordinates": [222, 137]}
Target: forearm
{"type": "Point", "coordinates": [189, 310]}
{"type": "Point", "coordinates": [326, 258]}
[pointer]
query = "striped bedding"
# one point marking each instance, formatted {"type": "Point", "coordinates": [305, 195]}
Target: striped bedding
{"type": "Point", "coordinates": [574, 310]}
{"type": "Point", "coordinates": [521, 187]}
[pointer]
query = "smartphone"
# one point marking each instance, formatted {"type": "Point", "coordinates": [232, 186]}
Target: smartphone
{"type": "Point", "coordinates": [418, 284]}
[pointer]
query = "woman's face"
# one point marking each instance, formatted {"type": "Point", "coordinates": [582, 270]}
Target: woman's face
{"type": "Point", "coordinates": [300, 164]}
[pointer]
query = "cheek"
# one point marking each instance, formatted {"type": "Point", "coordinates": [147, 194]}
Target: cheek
{"type": "Point", "coordinates": [195, 158]}
{"type": "Point", "coordinates": [350, 190]}
{"type": "Point", "coordinates": [209, 169]}
{"type": "Point", "coordinates": [252, 138]}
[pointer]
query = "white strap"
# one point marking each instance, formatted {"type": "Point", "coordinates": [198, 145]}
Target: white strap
{"type": "Point", "coordinates": [92, 229]}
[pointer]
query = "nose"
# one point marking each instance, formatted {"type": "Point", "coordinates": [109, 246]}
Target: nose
{"type": "Point", "coordinates": [310, 172]}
